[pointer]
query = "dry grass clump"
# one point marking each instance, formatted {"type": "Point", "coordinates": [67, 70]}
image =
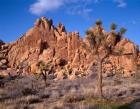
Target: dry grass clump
{"type": "Point", "coordinates": [88, 92]}
{"type": "Point", "coordinates": [31, 99]}
{"type": "Point", "coordinates": [44, 94]}
{"type": "Point", "coordinates": [73, 96]}
{"type": "Point", "coordinates": [20, 103]}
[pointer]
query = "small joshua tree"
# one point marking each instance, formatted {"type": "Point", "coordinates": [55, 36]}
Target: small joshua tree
{"type": "Point", "coordinates": [122, 31]}
{"type": "Point", "coordinates": [120, 34]}
{"type": "Point", "coordinates": [113, 26]}
{"type": "Point", "coordinates": [98, 22]}
{"type": "Point", "coordinates": [43, 68]}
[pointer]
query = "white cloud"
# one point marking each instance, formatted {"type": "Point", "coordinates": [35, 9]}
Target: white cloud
{"type": "Point", "coordinates": [121, 3]}
{"type": "Point", "coordinates": [42, 6]}
{"type": "Point", "coordinates": [79, 10]}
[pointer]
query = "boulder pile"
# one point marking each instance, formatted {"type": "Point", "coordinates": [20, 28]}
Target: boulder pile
{"type": "Point", "coordinates": [3, 56]}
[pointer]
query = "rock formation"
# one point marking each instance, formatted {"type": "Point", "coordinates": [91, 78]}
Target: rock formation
{"type": "Point", "coordinates": [69, 54]}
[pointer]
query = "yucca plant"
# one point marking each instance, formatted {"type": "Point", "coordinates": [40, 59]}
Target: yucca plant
{"type": "Point", "coordinates": [120, 34]}
{"type": "Point", "coordinates": [98, 22]}
{"type": "Point", "coordinates": [43, 68]}
{"type": "Point", "coordinates": [99, 38]}
{"type": "Point", "coordinates": [123, 30]}
{"type": "Point", "coordinates": [41, 65]}
{"type": "Point", "coordinates": [113, 26]}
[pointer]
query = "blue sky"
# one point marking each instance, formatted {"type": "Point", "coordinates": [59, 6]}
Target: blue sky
{"type": "Point", "coordinates": [17, 16]}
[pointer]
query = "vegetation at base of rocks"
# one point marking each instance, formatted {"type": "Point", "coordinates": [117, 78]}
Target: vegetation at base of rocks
{"type": "Point", "coordinates": [44, 68]}
{"type": "Point", "coordinates": [41, 65]}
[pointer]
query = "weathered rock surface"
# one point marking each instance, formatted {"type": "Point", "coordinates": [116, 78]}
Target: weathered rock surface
{"type": "Point", "coordinates": [66, 51]}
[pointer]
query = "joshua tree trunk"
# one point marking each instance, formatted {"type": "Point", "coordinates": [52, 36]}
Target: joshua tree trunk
{"type": "Point", "coordinates": [100, 92]}
{"type": "Point", "coordinates": [44, 74]}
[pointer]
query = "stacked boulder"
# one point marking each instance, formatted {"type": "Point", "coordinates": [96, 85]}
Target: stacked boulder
{"type": "Point", "coordinates": [3, 60]}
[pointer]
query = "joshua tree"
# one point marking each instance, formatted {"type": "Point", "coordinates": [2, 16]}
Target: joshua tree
{"type": "Point", "coordinates": [122, 31]}
{"type": "Point", "coordinates": [120, 34]}
{"type": "Point", "coordinates": [43, 68]}
{"type": "Point", "coordinates": [99, 43]}
{"type": "Point", "coordinates": [100, 60]}
{"type": "Point", "coordinates": [98, 22]}
{"type": "Point", "coordinates": [113, 26]}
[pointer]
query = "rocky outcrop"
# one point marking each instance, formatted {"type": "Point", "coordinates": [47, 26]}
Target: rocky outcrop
{"type": "Point", "coordinates": [138, 61]}
{"type": "Point", "coordinates": [68, 51]}
{"type": "Point", "coordinates": [3, 56]}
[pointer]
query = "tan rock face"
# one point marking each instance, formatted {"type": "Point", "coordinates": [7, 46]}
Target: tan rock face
{"type": "Point", "coordinates": [138, 62]}
{"type": "Point", "coordinates": [47, 54]}
{"type": "Point", "coordinates": [68, 51]}
{"type": "Point", "coordinates": [3, 73]}
{"type": "Point", "coordinates": [61, 74]}
{"type": "Point", "coordinates": [111, 39]}
{"type": "Point", "coordinates": [126, 47]}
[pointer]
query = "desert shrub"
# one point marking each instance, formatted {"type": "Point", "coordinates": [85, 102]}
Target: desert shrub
{"type": "Point", "coordinates": [28, 91]}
